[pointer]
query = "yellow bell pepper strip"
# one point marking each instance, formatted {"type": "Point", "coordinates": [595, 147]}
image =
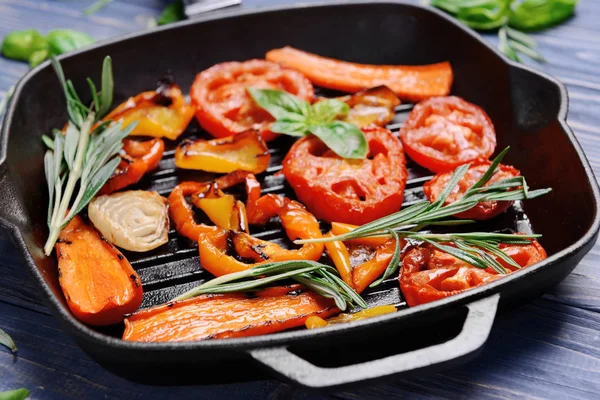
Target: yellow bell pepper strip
{"type": "Point", "coordinates": [315, 321]}
{"type": "Point", "coordinates": [371, 106]}
{"type": "Point", "coordinates": [181, 212]}
{"type": "Point", "coordinates": [244, 151]}
{"type": "Point", "coordinates": [160, 113]}
{"type": "Point", "coordinates": [261, 209]}
{"type": "Point", "coordinates": [222, 209]}
{"type": "Point", "coordinates": [338, 253]}
{"type": "Point", "coordinates": [215, 246]}
{"type": "Point", "coordinates": [366, 273]}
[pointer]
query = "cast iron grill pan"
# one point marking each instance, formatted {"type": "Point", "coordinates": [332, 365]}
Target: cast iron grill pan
{"type": "Point", "coordinates": [528, 109]}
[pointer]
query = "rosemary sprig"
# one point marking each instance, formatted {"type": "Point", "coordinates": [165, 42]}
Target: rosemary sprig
{"type": "Point", "coordinates": [85, 157]}
{"type": "Point", "coordinates": [479, 249]}
{"type": "Point", "coordinates": [319, 277]}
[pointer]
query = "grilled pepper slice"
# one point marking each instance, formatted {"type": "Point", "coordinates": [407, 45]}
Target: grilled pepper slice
{"type": "Point", "coordinates": [429, 274]}
{"type": "Point", "coordinates": [215, 246]}
{"type": "Point", "coordinates": [181, 212]}
{"type": "Point", "coordinates": [137, 158]}
{"type": "Point", "coordinates": [261, 209]}
{"type": "Point", "coordinates": [226, 316]}
{"type": "Point", "coordinates": [244, 151]}
{"type": "Point", "coordinates": [371, 106]}
{"type": "Point", "coordinates": [413, 83]}
{"type": "Point", "coordinates": [160, 113]}
{"type": "Point", "coordinates": [98, 282]}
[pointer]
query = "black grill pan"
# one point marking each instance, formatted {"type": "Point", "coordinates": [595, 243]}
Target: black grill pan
{"type": "Point", "coordinates": [527, 108]}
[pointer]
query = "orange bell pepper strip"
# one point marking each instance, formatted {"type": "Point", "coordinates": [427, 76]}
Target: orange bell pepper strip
{"type": "Point", "coordinates": [261, 209]}
{"type": "Point", "coordinates": [412, 83]}
{"type": "Point", "coordinates": [160, 113]}
{"type": "Point", "coordinates": [98, 282]}
{"type": "Point", "coordinates": [226, 316]}
{"type": "Point", "coordinates": [338, 253]}
{"type": "Point", "coordinates": [181, 212]}
{"type": "Point", "coordinates": [366, 273]}
{"type": "Point", "coordinates": [137, 159]}
{"type": "Point", "coordinates": [244, 151]}
{"type": "Point", "coordinates": [298, 223]}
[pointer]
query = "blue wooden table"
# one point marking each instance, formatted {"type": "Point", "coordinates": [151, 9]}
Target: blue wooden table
{"type": "Point", "coordinates": [549, 348]}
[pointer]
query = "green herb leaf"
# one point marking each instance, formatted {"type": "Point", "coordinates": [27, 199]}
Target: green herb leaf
{"type": "Point", "coordinates": [345, 139]}
{"type": "Point", "coordinates": [280, 104]}
{"type": "Point", "coordinates": [17, 394]}
{"type": "Point", "coordinates": [533, 15]}
{"type": "Point", "coordinates": [172, 13]}
{"type": "Point", "coordinates": [20, 45]}
{"type": "Point", "coordinates": [291, 128]}
{"type": "Point", "coordinates": [7, 341]}
{"type": "Point", "coordinates": [327, 110]}
{"type": "Point", "coordinates": [61, 41]}
{"type": "Point", "coordinates": [107, 88]}
{"type": "Point", "coordinates": [38, 57]}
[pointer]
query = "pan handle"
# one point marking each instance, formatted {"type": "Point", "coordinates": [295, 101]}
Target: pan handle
{"type": "Point", "coordinates": [473, 335]}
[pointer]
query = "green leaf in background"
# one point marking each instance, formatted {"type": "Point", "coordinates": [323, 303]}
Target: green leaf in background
{"type": "Point", "coordinates": [62, 41]}
{"type": "Point", "coordinates": [533, 15]}
{"type": "Point", "coordinates": [344, 138]}
{"type": "Point", "coordinates": [172, 13]}
{"type": "Point", "coordinates": [20, 45]}
{"type": "Point", "coordinates": [18, 394]}
{"type": "Point", "coordinates": [38, 57]}
{"type": "Point", "coordinates": [7, 341]}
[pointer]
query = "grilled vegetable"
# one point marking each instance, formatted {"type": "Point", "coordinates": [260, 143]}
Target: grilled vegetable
{"type": "Point", "coordinates": [371, 106]}
{"type": "Point", "coordinates": [222, 209]}
{"type": "Point", "coordinates": [351, 191]}
{"type": "Point", "coordinates": [214, 246]}
{"type": "Point", "coordinates": [260, 209]}
{"type": "Point", "coordinates": [314, 321]}
{"type": "Point", "coordinates": [224, 107]}
{"type": "Point", "coordinates": [160, 113]}
{"type": "Point", "coordinates": [429, 273]}
{"type": "Point", "coordinates": [137, 158]}
{"type": "Point", "coordinates": [134, 220]}
{"type": "Point", "coordinates": [244, 151]}
{"type": "Point", "coordinates": [443, 133]}
{"type": "Point", "coordinates": [481, 211]}
{"type": "Point", "coordinates": [412, 83]}
{"type": "Point", "coordinates": [363, 263]}
{"type": "Point", "coordinates": [226, 316]}
{"type": "Point", "coordinates": [181, 212]}
{"type": "Point", "coordinates": [97, 280]}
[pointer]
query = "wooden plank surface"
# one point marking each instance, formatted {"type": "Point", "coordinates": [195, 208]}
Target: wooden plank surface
{"type": "Point", "coordinates": [549, 348]}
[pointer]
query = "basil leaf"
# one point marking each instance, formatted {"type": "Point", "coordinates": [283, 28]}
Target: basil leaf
{"type": "Point", "coordinates": [7, 341]}
{"type": "Point", "coordinates": [327, 110]}
{"type": "Point", "coordinates": [345, 139]}
{"type": "Point", "coordinates": [291, 128]}
{"type": "Point", "coordinates": [280, 104]}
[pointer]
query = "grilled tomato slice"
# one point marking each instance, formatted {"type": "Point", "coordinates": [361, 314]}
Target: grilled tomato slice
{"type": "Point", "coordinates": [444, 132]}
{"type": "Point", "coordinates": [481, 211]}
{"type": "Point", "coordinates": [344, 190]}
{"type": "Point", "coordinates": [223, 105]}
{"type": "Point", "coordinates": [429, 274]}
